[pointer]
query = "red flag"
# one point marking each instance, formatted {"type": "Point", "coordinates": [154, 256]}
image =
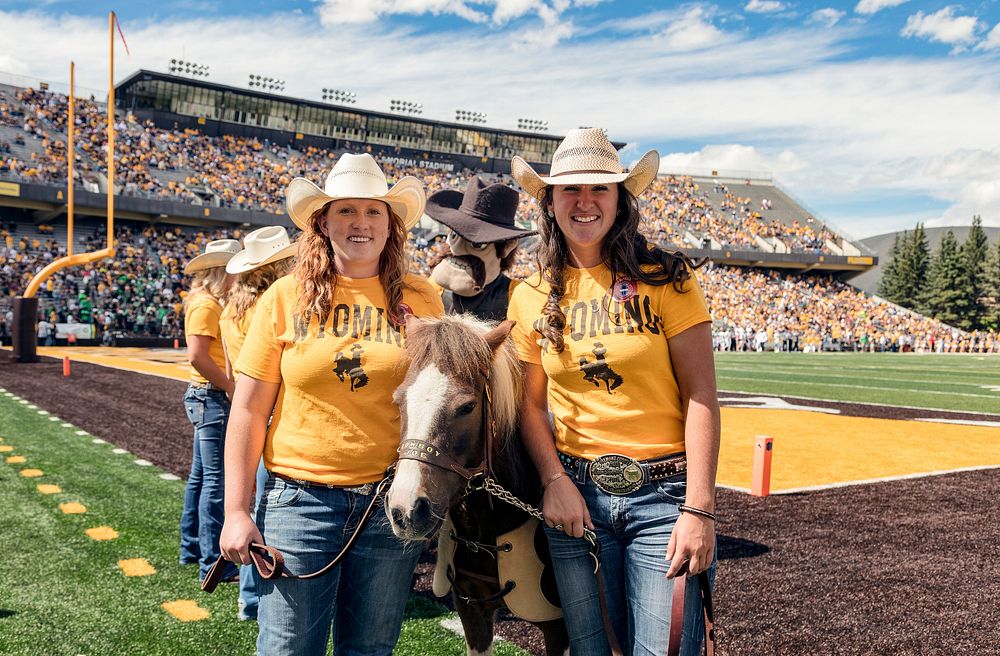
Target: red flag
{"type": "Point", "coordinates": [119, 26]}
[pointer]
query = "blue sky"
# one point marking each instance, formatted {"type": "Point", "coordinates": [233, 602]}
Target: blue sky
{"type": "Point", "coordinates": [875, 113]}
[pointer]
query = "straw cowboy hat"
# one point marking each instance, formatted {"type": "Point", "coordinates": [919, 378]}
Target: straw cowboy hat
{"type": "Point", "coordinates": [355, 176]}
{"type": "Point", "coordinates": [586, 157]}
{"type": "Point", "coordinates": [483, 214]}
{"type": "Point", "coordinates": [262, 247]}
{"type": "Point", "coordinates": [217, 253]}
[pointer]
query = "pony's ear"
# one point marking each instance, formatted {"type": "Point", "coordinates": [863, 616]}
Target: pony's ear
{"type": "Point", "coordinates": [497, 336]}
{"type": "Point", "coordinates": [411, 322]}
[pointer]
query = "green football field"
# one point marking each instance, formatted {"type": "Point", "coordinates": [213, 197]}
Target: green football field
{"type": "Point", "coordinates": [950, 382]}
{"type": "Point", "coordinates": [63, 593]}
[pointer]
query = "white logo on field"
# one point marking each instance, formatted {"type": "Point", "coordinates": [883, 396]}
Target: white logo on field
{"type": "Point", "coordinates": [770, 403]}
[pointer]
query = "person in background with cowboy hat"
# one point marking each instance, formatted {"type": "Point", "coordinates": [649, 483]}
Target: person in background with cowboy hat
{"type": "Point", "coordinates": [325, 353]}
{"type": "Point", "coordinates": [616, 339]}
{"type": "Point", "coordinates": [483, 240]}
{"type": "Point", "coordinates": [206, 403]}
{"type": "Point", "coordinates": [265, 258]}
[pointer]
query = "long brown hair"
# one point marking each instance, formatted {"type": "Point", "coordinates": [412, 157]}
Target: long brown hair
{"type": "Point", "coordinates": [316, 270]}
{"type": "Point", "coordinates": [251, 284]}
{"type": "Point", "coordinates": [624, 251]}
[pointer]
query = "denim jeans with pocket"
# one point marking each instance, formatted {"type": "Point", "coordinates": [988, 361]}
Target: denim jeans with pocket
{"type": "Point", "coordinates": [203, 515]}
{"type": "Point", "coordinates": [361, 601]}
{"type": "Point", "coordinates": [634, 531]}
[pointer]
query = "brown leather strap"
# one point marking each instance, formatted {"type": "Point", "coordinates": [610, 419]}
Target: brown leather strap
{"type": "Point", "coordinates": [275, 567]}
{"type": "Point", "coordinates": [677, 612]}
{"type": "Point", "coordinates": [609, 629]}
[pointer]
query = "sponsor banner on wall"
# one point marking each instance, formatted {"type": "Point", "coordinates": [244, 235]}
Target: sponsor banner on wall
{"type": "Point", "coordinates": [80, 330]}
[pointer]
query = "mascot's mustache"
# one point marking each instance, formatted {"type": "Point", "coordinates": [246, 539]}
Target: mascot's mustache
{"type": "Point", "coordinates": [470, 264]}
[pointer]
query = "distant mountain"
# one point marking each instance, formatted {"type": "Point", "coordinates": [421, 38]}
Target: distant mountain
{"type": "Point", "coordinates": [882, 244]}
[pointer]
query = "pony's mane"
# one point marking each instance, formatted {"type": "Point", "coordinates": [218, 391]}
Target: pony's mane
{"type": "Point", "coordinates": [455, 343]}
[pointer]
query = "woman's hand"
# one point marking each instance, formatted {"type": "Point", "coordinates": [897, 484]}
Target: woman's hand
{"type": "Point", "coordinates": [692, 542]}
{"type": "Point", "coordinates": [238, 531]}
{"type": "Point", "coordinates": [563, 504]}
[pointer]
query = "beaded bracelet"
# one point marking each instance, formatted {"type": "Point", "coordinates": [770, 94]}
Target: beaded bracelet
{"type": "Point", "coordinates": [697, 511]}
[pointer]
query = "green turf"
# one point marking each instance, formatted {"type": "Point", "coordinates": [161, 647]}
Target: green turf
{"type": "Point", "coordinates": [949, 382]}
{"type": "Point", "coordinates": [63, 593]}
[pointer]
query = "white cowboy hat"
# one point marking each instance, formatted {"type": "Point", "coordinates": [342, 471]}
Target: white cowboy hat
{"type": "Point", "coordinates": [216, 254]}
{"type": "Point", "coordinates": [355, 176]}
{"type": "Point", "coordinates": [586, 156]}
{"type": "Point", "coordinates": [261, 247]}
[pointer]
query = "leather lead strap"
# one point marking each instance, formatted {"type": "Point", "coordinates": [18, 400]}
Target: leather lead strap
{"type": "Point", "coordinates": [677, 613]}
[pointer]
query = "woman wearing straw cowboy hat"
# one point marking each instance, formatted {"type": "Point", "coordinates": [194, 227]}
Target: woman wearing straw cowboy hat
{"type": "Point", "coordinates": [265, 258]}
{"type": "Point", "coordinates": [325, 353]}
{"type": "Point", "coordinates": [206, 403]}
{"type": "Point", "coordinates": [483, 240]}
{"type": "Point", "coordinates": [616, 340]}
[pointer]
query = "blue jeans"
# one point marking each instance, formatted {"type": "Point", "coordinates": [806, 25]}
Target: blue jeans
{"type": "Point", "coordinates": [633, 531]}
{"type": "Point", "coordinates": [249, 578]}
{"type": "Point", "coordinates": [361, 601]}
{"type": "Point", "coordinates": [208, 411]}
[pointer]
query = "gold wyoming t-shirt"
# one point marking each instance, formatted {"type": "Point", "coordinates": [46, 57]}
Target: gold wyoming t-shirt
{"type": "Point", "coordinates": [202, 318]}
{"type": "Point", "coordinates": [612, 389]}
{"type": "Point", "coordinates": [334, 420]}
{"type": "Point", "coordinates": [234, 332]}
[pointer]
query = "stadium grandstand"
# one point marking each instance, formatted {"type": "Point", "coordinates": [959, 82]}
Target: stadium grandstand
{"type": "Point", "coordinates": [198, 161]}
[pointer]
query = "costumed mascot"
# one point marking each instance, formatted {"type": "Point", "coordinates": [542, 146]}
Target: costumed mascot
{"type": "Point", "coordinates": [483, 241]}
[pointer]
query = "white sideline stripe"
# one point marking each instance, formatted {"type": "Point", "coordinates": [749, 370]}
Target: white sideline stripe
{"type": "Point", "coordinates": [877, 405]}
{"type": "Point", "coordinates": [454, 624]}
{"type": "Point", "coordinates": [825, 374]}
{"type": "Point", "coordinates": [967, 422]}
{"type": "Point", "coordinates": [32, 406]}
{"type": "Point", "coordinates": [66, 425]}
{"type": "Point", "coordinates": [170, 477]}
{"type": "Point", "coordinates": [24, 401]}
{"type": "Point", "coordinates": [867, 481]}
{"type": "Point", "coordinates": [119, 451]}
{"type": "Point", "coordinates": [81, 432]}
{"type": "Point", "coordinates": [760, 379]}
{"type": "Point", "coordinates": [143, 463]}
{"type": "Point", "coordinates": [98, 440]}
{"type": "Point", "coordinates": [43, 412]}
{"type": "Point", "coordinates": [53, 418]}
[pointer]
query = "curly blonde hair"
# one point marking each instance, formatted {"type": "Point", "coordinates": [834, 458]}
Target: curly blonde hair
{"type": "Point", "coordinates": [316, 271]}
{"type": "Point", "coordinates": [250, 285]}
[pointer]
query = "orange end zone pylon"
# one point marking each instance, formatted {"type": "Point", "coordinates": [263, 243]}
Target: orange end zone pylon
{"type": "Point", "coordinates": [762, 450]}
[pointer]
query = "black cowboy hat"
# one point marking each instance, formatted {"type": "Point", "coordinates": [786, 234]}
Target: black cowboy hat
{"type": "Point", "coordinates": [483, 214]}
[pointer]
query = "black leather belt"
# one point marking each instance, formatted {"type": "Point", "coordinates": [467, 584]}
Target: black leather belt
{"type": "Point", "coordinates": [366, 488]}
{"type": "Point", "coordinates": [618, 474]}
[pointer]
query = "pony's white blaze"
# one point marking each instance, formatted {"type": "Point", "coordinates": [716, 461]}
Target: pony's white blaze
{"type": "Point", "coordinates": [424, 399]}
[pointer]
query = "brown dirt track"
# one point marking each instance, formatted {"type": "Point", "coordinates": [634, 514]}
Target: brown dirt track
{"type": "Point", "coordinates": [907, 567]}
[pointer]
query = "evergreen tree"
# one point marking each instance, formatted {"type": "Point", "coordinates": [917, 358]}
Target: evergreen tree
{"type": "Point", "coordinates": [945, 299]}
{"type": "Point", "coordinates": [918, 258]}
{"type": "Point", "coordinates": [974, 252]}
{"type": "Point", "coordinates": [991, 289]}
{"type": "Point", "coordinates": [888, 286]}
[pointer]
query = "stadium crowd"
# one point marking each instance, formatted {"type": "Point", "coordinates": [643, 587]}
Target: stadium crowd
{"type": "Point", "coordinates": [249, 174]}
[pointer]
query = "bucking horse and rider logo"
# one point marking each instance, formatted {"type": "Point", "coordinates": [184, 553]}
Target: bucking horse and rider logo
{"type": "Point", "coordinates": [351, 367]}
{"type": "Point", "coordinates": [598, 370]}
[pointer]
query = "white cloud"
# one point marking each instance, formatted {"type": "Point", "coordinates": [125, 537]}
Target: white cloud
{"type": "Point", "coordinates": [868, 7]}
{"type": "Point", "coordinates": [764, 6]}
{"type": "Point", "coordinates": [942, 26]}
{"type": "Point", "coordinates": [693, 29]}
{"type": "Point", "coordinates": [992, 40]}
{"type": "Point", "coordinates": [737, 159]}
{"type": "Point", "coordinates": [827, 16]}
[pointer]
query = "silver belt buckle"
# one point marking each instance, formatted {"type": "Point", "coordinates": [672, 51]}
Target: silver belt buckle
{"type": "Point", "coordinates": [616, 474]}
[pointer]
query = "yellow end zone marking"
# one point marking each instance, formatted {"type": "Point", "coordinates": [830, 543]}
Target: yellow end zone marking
{"type": "Point", "coordinates": [6, 448]}
{"type": "Point", "coordinates": [101, 533]}
{"type": "Point", "coordinates": [32, 473]}
{"type": "Point", "coordinates": [186, 610]}
{"type": "Point", "coordinates": [815, 449]}
{"type": "Point", "coordinates": [136, 567]}
{"type": "Point", "coordinates": [16, 460]}
{"type": "Point", "coordinates": [45, 488]}
{"type": "Point", "coordinates": [140, 360]}
{"type": "Point", "coordinates": [73, 508]}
